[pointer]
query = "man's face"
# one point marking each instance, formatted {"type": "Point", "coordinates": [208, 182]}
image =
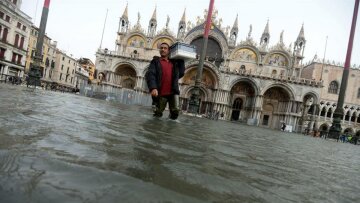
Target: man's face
{"type": "Point", "coordinates": [164, 50]}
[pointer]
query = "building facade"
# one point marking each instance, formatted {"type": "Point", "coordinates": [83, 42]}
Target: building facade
{"type": "Point", "coordinates": [15, 28]}
{"type": "Point", "coordinates": [49, 49]}
{"type": "Point", "coordinates": [258, 83]}
{"type": "Point", "coordinates": [63, 75]}
{"type": "Point", "coordinates": [89, 66]}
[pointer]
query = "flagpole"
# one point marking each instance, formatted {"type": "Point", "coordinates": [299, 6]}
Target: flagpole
{"type": "Point", "coordinates": [194, 102]}
{"type": "Point", "coordinates": [335, 129]}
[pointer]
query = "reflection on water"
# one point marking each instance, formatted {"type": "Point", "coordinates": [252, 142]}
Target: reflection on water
{"type": "Point", "coordinates": [58, 147]}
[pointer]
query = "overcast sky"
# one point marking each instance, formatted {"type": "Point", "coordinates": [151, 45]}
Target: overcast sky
{"type": "Point", "coordinates": [77, 24]}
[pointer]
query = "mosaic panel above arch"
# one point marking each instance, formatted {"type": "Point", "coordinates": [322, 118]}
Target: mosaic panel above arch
{"type": "Point", "coordinates": [277, 60]}
{"type": "Point", "coordinates": [277, 93]}
{"type": "Point", "coordinates": [245, 54]}
{"type": "Point", "coordinates": [136, 41]}
{"type": "Point", "coordinates": [208, 80]}
{"type": "Point", "coordinates": [244, 88]}
{"type": "Point", "coordinates": [156, 44]}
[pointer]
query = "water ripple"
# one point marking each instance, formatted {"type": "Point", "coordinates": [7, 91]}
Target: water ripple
{"type": "Point", "coordinates": [57, 147]}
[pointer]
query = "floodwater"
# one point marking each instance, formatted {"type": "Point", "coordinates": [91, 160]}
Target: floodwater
{"type": "Point", "coordinates": [57, 147]}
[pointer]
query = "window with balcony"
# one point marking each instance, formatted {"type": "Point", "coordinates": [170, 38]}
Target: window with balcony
{"type": "Point", "coordinates": [47, 62]}
{"type": "Point", "coordinates": [19, 57]}
{"type": "Point", "coordinates": [13, 59]}
{"type": "Point", "coordinates": [4, 35]}
{"type": "Point", "coordinates": [22, 42]}
{"type": "Point", "coordinates": [2, 53]}
{"type": "Point", "coordinates": [16, 42]}
{"type": "Point", "coordinates": [333, 87]}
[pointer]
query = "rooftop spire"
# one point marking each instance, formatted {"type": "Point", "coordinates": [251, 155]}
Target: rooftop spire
{"type": "Point", "coordinates": [183, 19]}
{"type": "Point", "coordinates": [236, 23]}
{"type": "Point", "coordinates": [154, 15]}
{"type": "Point", "coordinates": [125, 14]}
{"type": "Point", "coordinates": [301, 34]}
{"type": "Point", "coordinates": [266, 30]}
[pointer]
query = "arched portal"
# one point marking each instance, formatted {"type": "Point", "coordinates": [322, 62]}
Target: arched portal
{"type": "Point", "coordinates": [202, 101]}
{"type": "Point", "coordinates": [324, 129]}
{"type": "Point", "coordinates": [242, 96]}
{"type": "Point", "coordinates": [276, 99]}
{"type": "Point", "coordinates": [125, 75]}
{"type": "Point", "coordinates": [349, 131]}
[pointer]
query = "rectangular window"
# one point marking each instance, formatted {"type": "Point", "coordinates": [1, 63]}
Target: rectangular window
{"type": "Point", "coordinates": [60, 76]}
{"type": "Point", "coordinates": [7, 18]}
{"type": "Point", "coordinates": [24, 27]}
{"type": "Point", "coordinates": [62, 67]}
{"type": "Point", "coordinates": [14, 1]}
{"type": "Point", "coordinates": [1, 15]}
{"type": "Point", "coordinates": [18, 25]}
{"type": "Point", "coordinates": [63, 58]}
{"type": "Point", "coordinates": [358, 96]}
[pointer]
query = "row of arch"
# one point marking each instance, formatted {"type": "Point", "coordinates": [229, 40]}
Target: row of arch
{"type": "Point", "coordinates": [324, 128]}
{"type": "Point", "coordinates": [218, 47]}
{"type": "Point", "coordinates": [211, 80]}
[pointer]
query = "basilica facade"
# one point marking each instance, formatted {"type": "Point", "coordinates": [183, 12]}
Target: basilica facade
{"type": "Point", "coordinates": [258, 83]}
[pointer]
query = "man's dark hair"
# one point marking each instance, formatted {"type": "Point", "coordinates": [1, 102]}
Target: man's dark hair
{"type": "Point", "coordinates": [165, 43]}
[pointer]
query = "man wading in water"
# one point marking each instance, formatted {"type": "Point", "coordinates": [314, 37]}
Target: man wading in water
{"type": "Point", "coordinates": [162, 79]}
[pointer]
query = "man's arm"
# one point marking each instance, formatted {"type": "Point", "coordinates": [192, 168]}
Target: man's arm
{"type": "Point", "coordinates": [181, 65]}
{"type": "Point", "coordinates": [151, 76]}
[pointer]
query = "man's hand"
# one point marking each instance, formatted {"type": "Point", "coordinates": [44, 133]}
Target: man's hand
{"type": "Point", "coordinates": [154, 93]}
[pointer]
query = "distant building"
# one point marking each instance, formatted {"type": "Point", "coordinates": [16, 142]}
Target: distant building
{"type": "Point", "coordinates": [14, 35]}
{"type": "Point", "coordinates": [63, 75]}
{"type": "Point", "coordinates": [49, 54]}
{"type": "Point", "coordinates": [88, 65]}
{"type": "Point", "coordinates": [81, 77]}
{"type": "Point", "coordinates": [257, 83]}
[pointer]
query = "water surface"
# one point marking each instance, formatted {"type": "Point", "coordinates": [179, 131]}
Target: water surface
{"type": "Point", "coordinates": [57, 147]}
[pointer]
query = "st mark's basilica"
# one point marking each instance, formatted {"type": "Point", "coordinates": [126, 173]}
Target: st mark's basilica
{"type": "Point", "coordinates": [245, 80]}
